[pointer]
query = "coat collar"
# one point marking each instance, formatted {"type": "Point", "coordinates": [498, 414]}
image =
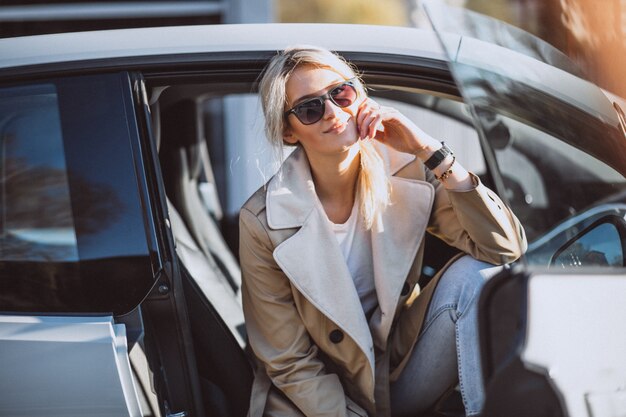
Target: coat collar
{"type": "Point", "coordinates": [291, 203]}
{"type": "Point", "coordinates": [291, 192]}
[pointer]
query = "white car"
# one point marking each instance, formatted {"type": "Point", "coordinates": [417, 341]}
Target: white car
{"type": "Point", "coordinates": [125, 155]}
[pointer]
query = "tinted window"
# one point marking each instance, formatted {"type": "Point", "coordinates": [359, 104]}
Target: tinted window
{"type": "Point", "coordinates": [549, 180]}
{"type": "Point", "coordinates": [74, 234]}
{"type": "Point", "coordinates": [601, 245]}
{"type": "Point", "coordinates": [36, 222]}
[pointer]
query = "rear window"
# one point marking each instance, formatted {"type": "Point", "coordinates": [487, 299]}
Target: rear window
{"type": "Point", "coordinates": [76, 234]}
{"type": "Point", "coordinates": [36, 223]}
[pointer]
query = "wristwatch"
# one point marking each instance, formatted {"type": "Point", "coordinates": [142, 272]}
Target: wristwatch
{"type": "Point", "coordinates": [439, 155]}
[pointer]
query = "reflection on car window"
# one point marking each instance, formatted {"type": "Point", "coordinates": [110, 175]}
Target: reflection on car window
{"type": "Point", "coordinates": [554, 188]}
{"type": "Point", "coordinates": [600, 246]}
{"type": "Point", "coordinates": [562, 166]}
{"type": "Point", "coordinates": [73, 234]}
{"type": "Point", "coordinates": [36, 222]}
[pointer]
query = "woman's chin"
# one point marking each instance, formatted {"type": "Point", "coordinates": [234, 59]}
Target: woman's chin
{"type": "Point", "coordinates": [350, 143]}
{"type": "Point", "coordinates": [353, 147]}
{"type": "Point", "coordinates": [348, 137]}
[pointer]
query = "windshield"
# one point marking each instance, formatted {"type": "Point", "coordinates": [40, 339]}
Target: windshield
{"type": "Point", "coordinates": [551, 138]}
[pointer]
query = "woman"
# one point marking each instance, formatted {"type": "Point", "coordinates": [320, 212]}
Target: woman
{"type": "Point", "coordinates": [331, 252]}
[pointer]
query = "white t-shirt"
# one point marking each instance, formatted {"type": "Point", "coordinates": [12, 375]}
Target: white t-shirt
{"type": "Point", "coordinates": [355, 243]}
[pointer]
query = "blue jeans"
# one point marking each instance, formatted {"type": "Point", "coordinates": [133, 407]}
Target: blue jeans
{"type": "Point", "coordinates": [447, 350]}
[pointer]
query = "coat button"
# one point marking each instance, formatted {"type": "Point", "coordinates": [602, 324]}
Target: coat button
{"type": "Point", "coordinates": [405, 289]}
{"type": "Point", "coordinates": [336, 336]}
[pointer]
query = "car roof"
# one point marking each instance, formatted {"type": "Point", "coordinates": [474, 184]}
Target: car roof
{"type": "Point", "coordinates": [160, 41]}
{"type": "Point", "coordinates": [125, 48]}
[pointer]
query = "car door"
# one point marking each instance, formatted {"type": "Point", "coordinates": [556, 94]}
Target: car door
{"type": "Point", "coordinates": [551, 326]}
{"type": "Point", "coordinates": [86, 271]}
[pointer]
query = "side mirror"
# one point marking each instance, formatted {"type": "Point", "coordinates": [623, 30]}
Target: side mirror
{"type": "Point", "coordinates": [601, 244]}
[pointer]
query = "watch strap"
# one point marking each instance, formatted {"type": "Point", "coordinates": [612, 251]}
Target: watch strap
{"type": "Point", "coordinates": [439, 155]}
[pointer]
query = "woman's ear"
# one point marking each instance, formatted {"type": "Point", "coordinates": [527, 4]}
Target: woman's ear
{"type": "Point", "coordinates": [289, 137]}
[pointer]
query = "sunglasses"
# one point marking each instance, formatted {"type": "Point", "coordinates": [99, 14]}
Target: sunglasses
{"type": "Point", "coordinates": [312, 110]}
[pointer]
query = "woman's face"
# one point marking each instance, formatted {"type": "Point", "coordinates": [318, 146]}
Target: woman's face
{"type": "Point", "coordinates": [336, 131]}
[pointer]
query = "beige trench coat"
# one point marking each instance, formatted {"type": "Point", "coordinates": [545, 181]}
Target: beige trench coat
{"type": "Point", "coordinates": [317, 354]}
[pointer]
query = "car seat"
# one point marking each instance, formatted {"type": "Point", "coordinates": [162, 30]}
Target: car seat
{"type": "Point", "coordinates": [200, 245]}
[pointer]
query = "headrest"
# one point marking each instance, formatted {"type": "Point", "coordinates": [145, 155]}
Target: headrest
{"type": "Point", "coordinates": [180, 124]}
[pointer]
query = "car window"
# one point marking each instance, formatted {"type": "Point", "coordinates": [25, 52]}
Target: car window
{"type": "Point", "coordinates": [549, 180]}
{"type": "Point", "coordinates": [554, 137]}
{"type": "Point", "coordinates": [556, 189]}
{"type": "Point", "coordinates": [249, 159]}
{"type": "Point", "coordinates": [74, 232]}
{"type": "Point", "coordinates": [37, 222]}
{"type": "Point", "coordinates": [598, 246]}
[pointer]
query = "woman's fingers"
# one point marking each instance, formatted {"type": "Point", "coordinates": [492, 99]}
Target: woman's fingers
{"type": "Point", "coordinates": [363, 111]}
{"type": "Point", "coordinates": [368, 125]}
{"type": "Point", "coordinates": [375, 123]}
{"type": "Point", "coordinates": [369, 117]}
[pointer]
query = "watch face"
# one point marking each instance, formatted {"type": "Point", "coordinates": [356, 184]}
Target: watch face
{"type": "Point", "coordinates": [438, 156]}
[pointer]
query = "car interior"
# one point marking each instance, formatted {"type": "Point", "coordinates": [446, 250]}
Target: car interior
{"type": "Point", "coordinates": [205, 232]}
{"type": "Point", "coordinates": [207, 178]}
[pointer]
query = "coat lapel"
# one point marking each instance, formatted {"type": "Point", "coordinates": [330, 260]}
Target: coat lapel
{"type": "Point", "coordinates": [396, 238]}
{"type": "Point", "coordinates": [311, 257]}
{"type": "Point", "coordinates": [395, 242]}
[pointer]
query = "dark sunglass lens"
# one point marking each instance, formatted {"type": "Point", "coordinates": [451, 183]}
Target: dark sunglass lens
{"type": "Point", "coordinates": [344, 95]}
{"type": "Point", "coordinates": [310, 112]}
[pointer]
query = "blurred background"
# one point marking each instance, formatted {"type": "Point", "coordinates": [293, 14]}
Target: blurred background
{"type": "Point", "coordinates": [592, 32]}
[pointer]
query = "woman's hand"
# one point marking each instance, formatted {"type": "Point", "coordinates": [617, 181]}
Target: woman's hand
{"type": "Point", "coordinates": [403, 135]}
{"type": "Point", "coordinates": [397, 130]}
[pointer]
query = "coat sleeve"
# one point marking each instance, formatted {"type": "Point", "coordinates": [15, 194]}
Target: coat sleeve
{"type": "Point", "coordinates": [477, 222]}
{"type": "Point", "coordinates": [276, 332]}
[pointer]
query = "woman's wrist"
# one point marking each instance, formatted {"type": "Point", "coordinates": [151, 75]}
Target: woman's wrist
{"type": "Point", "coordinates": [438, 157]}
{"type": "Point", "coordinates": [444, 165]}
{"type": "Point", "coordinates": [442, 162]}
{"type": "Point", "coordinates": [453, 175]}
{"type": "Point", "coordinates": [427, 150]}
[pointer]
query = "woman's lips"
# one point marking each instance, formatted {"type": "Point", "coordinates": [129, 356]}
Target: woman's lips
{"type": "Point", "coordinates": [337, 128]}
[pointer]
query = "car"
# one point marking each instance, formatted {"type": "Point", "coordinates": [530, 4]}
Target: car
{"type": "Point", "coordinates": [126, 154]}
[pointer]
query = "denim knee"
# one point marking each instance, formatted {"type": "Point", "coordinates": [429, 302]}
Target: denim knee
{"type": "Point", "coordinates": [461, 283]}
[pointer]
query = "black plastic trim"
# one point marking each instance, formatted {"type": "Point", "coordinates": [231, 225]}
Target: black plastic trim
{"type": "Point", "coordinates": [168, 331]}
{"type": "Point", "coordinates": [401, 69]}
{"type": "Point", "coordinates": [141, 150]}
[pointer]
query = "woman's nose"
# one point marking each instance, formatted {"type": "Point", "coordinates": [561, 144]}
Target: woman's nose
{"type": "Point", "coordinates": [331, 109]}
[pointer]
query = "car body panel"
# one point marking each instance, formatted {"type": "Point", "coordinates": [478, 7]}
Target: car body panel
{"type": "Point", "coordinates": [197, 40]}
{"type": "Point", "coordinates": [585, 360]}
{"type": "Point", "coordinates": [76, 366]}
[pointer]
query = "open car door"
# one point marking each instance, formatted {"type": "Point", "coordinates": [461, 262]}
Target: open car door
{"type": "Point", "coordinates": [552, 331]}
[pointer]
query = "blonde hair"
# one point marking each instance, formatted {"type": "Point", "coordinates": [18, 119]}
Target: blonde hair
{"type": "Point", "coordinates": [374, 186]}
